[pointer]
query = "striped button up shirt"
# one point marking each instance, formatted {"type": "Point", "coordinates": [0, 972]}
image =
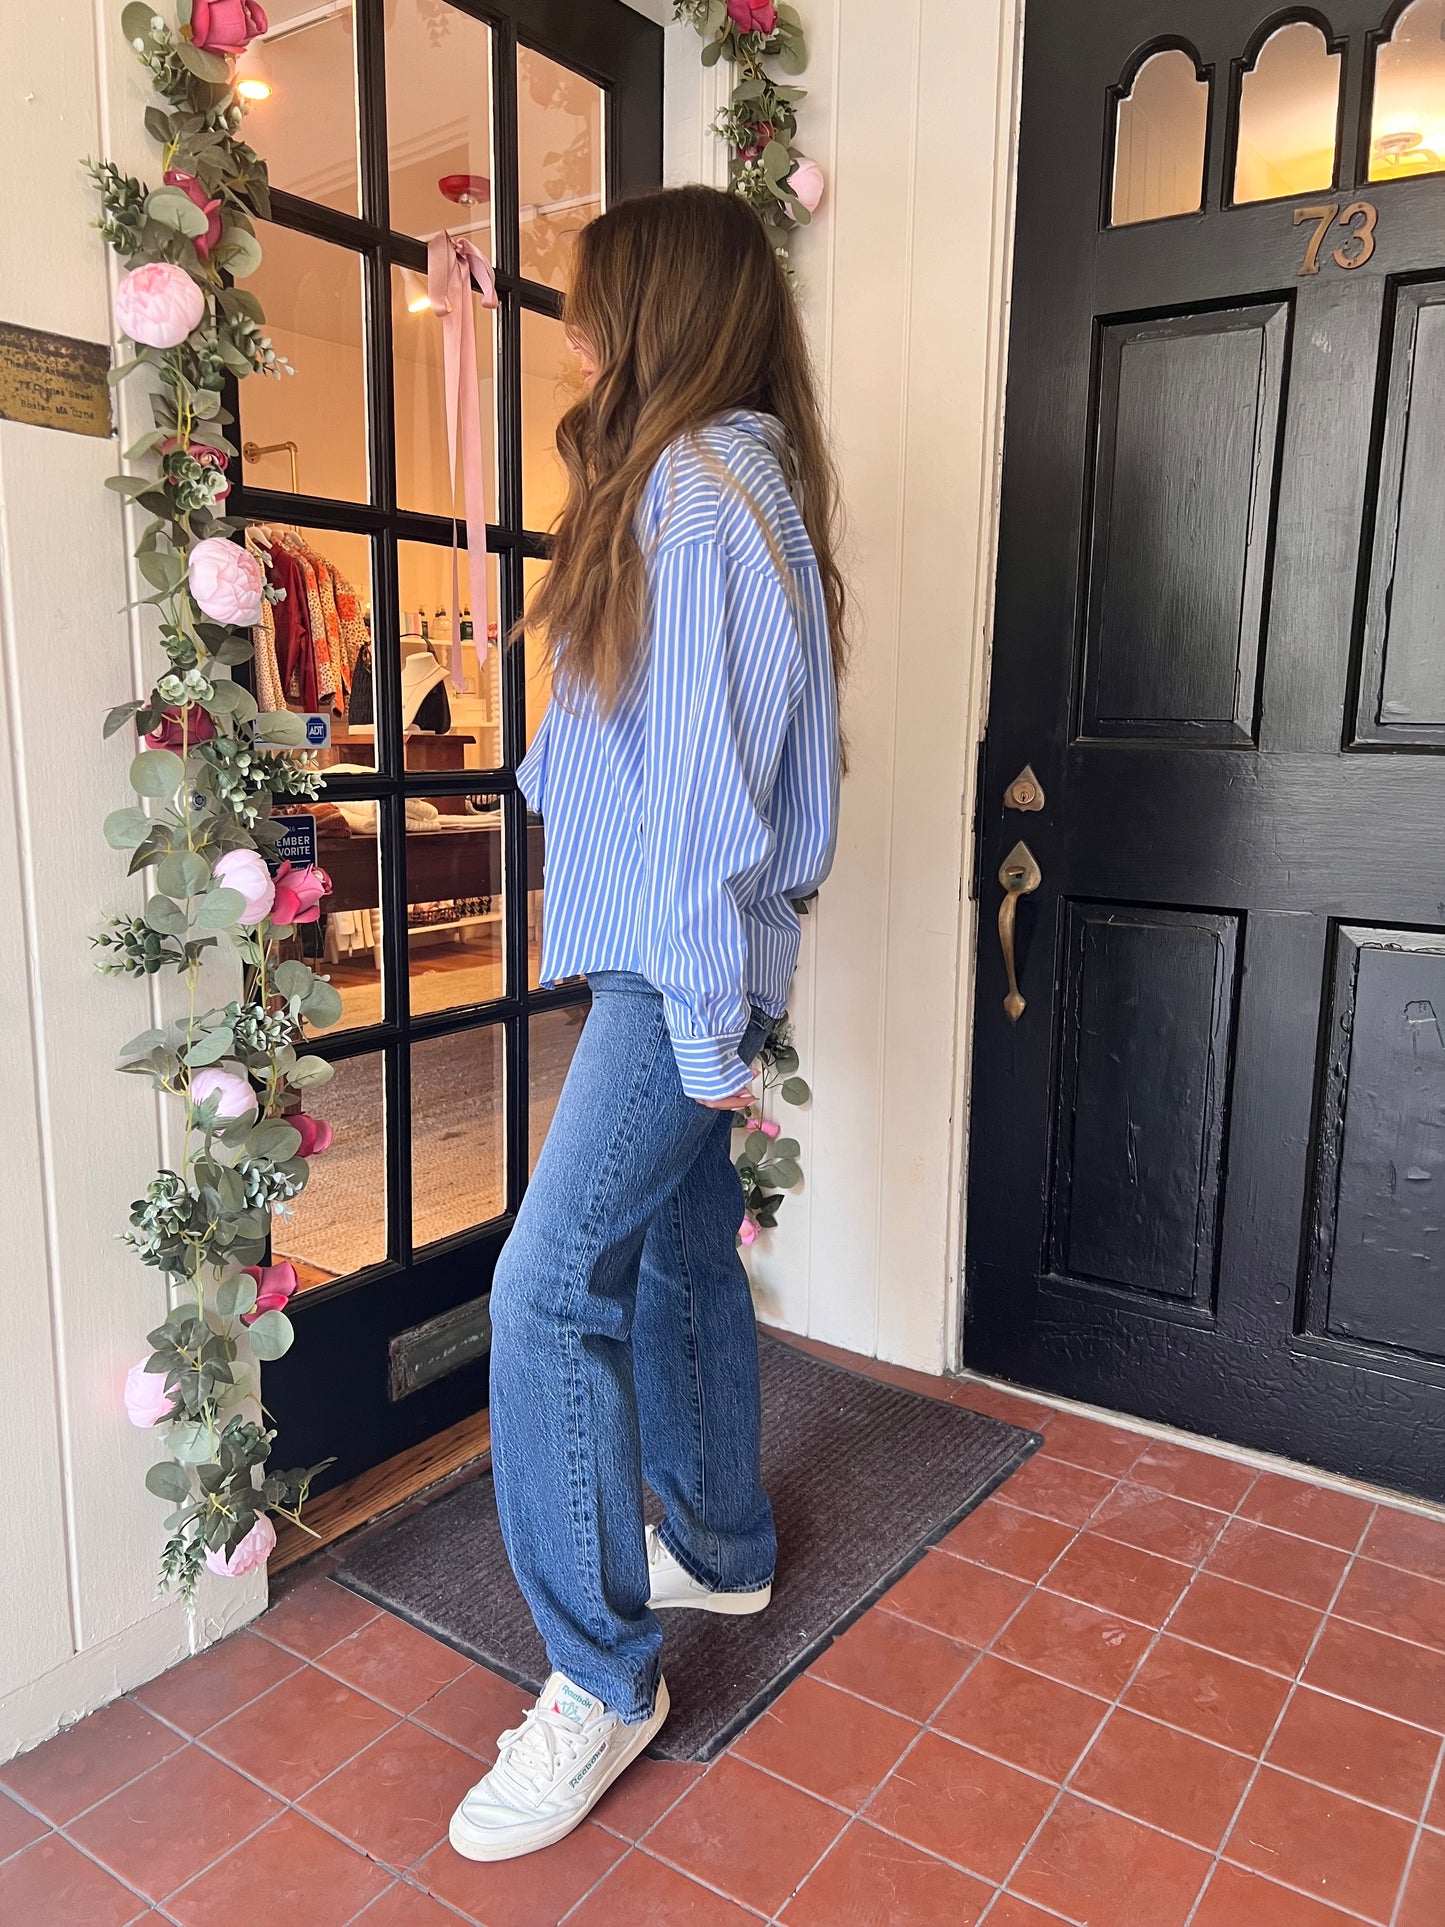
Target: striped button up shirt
{"type": "Point", "coordinates": [680, 826]}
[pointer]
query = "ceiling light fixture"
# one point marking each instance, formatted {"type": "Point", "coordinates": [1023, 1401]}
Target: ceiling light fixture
{"type": "Point", "coordinates": [253, 81]}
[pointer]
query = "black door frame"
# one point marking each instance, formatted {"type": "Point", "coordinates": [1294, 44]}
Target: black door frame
{"type": "Point", "coordinates": [330, 1394]}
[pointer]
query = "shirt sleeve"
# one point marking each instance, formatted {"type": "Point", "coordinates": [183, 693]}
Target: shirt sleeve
{"type": "Point", "coordinates": [725, 674]}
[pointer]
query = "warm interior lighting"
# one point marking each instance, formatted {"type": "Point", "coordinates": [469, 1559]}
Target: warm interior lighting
{"type": "Point", "coordinates": [253, 88]}
{"type": "Point", "coordinates": [414, 288]}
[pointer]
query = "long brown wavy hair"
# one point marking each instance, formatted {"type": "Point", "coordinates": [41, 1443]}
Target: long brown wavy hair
{"type": "Point", "coordinates": [687, 312]}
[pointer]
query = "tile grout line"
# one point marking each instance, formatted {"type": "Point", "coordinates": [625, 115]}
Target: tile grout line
{"type": "Point", "coordinates": [1117, 1701]}
{"type": "Point", "coordinates": [1218, 1856]}
{"type": "Point", "coordinates": [1420, 1831]}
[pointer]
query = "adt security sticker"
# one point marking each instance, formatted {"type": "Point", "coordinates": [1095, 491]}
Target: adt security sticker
{"type": "Point", "coordinates": [288, 729]}
{"type": "Point", "coordinates": [298, 842]}
{"type": "Point", "coordinates": [318, 732]}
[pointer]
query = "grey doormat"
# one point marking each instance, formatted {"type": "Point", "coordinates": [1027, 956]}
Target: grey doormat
{"type": "Point", "coordinates": [863, 1477]}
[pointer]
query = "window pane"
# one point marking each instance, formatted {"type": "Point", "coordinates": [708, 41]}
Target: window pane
{"type": "Point", "coordinates": [1407, 126]}
{"type": "Point", "coordinates": [454, 890]}
{"type": "Point", "coordinates": [313, 646]}
{"type": "Point", "coordinates": [539, 672]}
{"type": "Point", "coordinates": [1288, 109]}
{"type": "Point", "coordinates": [551, 382]}
{"type": "Point", "coordinates": [439, 120]}
{"type": "Point", "coordinates": [307, 431]}
{"type": "Point", "coordinates": [446, 728]}
{"type": "Point", "coordinates": [551, 1039]}
{"type": "Point", "coordinates": [338, 1223]}
{"type": "Point", "coordinates": [559, 163]}
{"type": "Point", "coordinates": [1159, 141]}
{"type": "Point", "coordinates": [422, 481]}
{"type": "Point", "coordinates": [345, 942]}
{"type": "Point", "coordinates": [458, 1146]}
{"type": "Point", "coordinates": [304, 123]}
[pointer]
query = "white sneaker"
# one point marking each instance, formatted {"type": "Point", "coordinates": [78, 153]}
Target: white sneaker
{"type": "Point", "coordinates": [550, 1772]}
{"type": "Point", "coordinates": [674, 1585]}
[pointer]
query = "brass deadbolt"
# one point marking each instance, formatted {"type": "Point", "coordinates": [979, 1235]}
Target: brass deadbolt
{"type": "Point", "coordinates": [1025, 792]}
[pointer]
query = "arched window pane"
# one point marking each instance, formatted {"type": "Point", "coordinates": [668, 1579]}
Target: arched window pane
{"type": "Point", "coordinates": [1407, 126]}
{"type": "Point", "coordinates": [1288, 112]}
{"type": "Point", "coordinates": [1159, 141]}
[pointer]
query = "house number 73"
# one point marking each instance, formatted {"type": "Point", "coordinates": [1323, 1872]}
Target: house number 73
{"type": "Point", "coordinates": [1358, 219]}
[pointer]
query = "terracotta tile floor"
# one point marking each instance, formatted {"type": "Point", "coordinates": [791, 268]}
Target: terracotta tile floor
{"type": "Point", "coordinates": [1142, 1686]}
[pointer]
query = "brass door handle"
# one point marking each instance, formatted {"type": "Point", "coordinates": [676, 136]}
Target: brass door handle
{"type": "Point", "coordinates": [1020, 875]}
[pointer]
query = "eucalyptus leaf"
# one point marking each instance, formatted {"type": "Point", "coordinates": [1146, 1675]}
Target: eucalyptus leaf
{"type": "Point", "coordinates": [135, 20]}
{"type": "Point", "coordinates": [218, 908]}
{"type": "Point", "coordinates": [164, 569]}
{"type": "Point", "coordinates": [118, 717]}
{"type": "Point", "coordinates": [211, 1048]}
{"type": "Point", "coordinates": [189, 1444]}
{"type": "Point", "coordinates": [236, 1295]}
{"type": "Point", "coordinates": [786, 1147]}
{"type": "Point", "coordinates": [238, 252]}
{"type": "Point", "coordinates": [292, 978]}
{"type": "Point", "coordinates": [204, 65]}
{"type": "Point", "coordinates": [776, 161]}
{"type": "Point", "coordinates": [165, 916]}
{"type": "Point", "coordinates": [169, 1481]}
{"type": "Point", "coordinates": [280, 729]}
{"type": "Point", "coordinates": [309, 1071]}
{"type": "Point", "coordinates": [128, 485]}
{"type": "Point", "coordinates": [127, 829]}
{"type": "Point", "coordinates": [275, 1139]}
{"type": "Point", "coordinates": [185, 873]}
{"type": "Point", "coordinates": [173, 209]}
{"type": "Point", "coordinates": [323, 1006]}
{"type": "Point", "coordinates": [271, 1335]}
{"type": "Point", "coordinates": [156, 772]}
{"type": "Point", "coordinates": [795, 1090]}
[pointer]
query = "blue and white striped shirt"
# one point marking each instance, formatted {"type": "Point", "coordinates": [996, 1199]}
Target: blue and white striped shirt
{"type": "Point", "coordinates": [679, 827]}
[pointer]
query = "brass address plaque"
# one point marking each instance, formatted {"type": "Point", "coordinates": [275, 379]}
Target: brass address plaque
{"type": "Point", "coordinates": [1358, 220]}
{"type": "Point", "coordinates": [54, 381]}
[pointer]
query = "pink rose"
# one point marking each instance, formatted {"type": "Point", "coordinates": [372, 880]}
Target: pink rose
{"type": "Point", "coordinates": [260, 1542]}
{"type": "Point", "coordinates": [753, 16]}
{"type": "Point", "coordinates": [315, 1134]}
{"type": "Point", "coordinates": [169, 733]}
{"type": "Point", "coordinates": [763, 131]}
{"type": "Point", "coordinates": [226, 26]}
{"type": "Point", "coordinates": [147, 1401]}
{"type": "Point", "coordinates": [195, 193]}
{"type": "Point", "coordinates": [246, 871]}
{"type": "Point", "coordinates": [229, 1083]}
{"type": "Point", "coordinates": [806, 183]}
{"type": "Point", "coordinates": [748, 1229]}
{"type": "Point", "coordinates": [275, 1288]}
{"type": "Point", "coordinates": [158, 304]}
{"type": "Point", "coordinates": [768, 1128]}
{"type": "Point", "coordinates": [299, 894]}
{"type": "Point", "coordinates": [226, 581]}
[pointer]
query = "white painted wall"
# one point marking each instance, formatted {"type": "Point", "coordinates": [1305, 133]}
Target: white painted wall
{"type": "Point", "coordinates": [79, 1535]}
{"type": "Point", "coordinates": [903, 276]}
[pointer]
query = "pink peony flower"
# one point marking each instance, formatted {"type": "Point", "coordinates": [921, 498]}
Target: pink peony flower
{"type": "Point", "coordinates": [768, 1128]}
{"type": "Point", "coordinates": [158, 304]}
{"type": "Point", "coordinates": [226, 581]}
{"type": "Point", "coordinates": [299, 894]}
{"type": "Point", "coordinates": [194, 192]}
{"type": "Point", "coordinates": [748, 1229]}
{"type": "Point", "coordinates": [806, 182]}
{"type": "Point", "coordinates": [275, 1288]}
{"type": "Point", "coordinates": [229, 1083]}
{"type": "Point", "coordinates": [753, 16]}
{"type": "Point", "coordinates": [245, 870]}
{"type": "Point", "coordinates": [259, 1543]}
{"type": "Point", "coordinates": [147, 1401]}
{"type": "Point", "coordinates": [169, 734]}
{"type": "Point", "coordinates": [315, 1134]}
{"type": "Point", "coordinates": [226, 26]}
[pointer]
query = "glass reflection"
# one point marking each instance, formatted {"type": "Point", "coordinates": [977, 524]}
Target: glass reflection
{"type": "Point", "coordinates": [1159, 141]}
{"type": "Point", "coordinates": [1407, 122]}
{"type": "Point", "coordinates": [458, 1144]}
{"type": "Point", "coordinates": [552, 1037]}
{"type": "Point", "coordinates": [448, 727]}
{"type": "Point", "coordinates": [1288, 112]}
{"type": "Point", "coordinates": [454, 892]}
{"type": "Point", "coordinates": [422, 482]}
{"type": "Point", "coordinates": [539, 670]}
{"type": "Point", "coordinates": [551, 383]}
{"type": "Point", "coordinates": [344, 943]}
{"type": "Point", "coordinates": [299, 82]}
{"type": "Point", "coordinates": [559, 163]}
{"type": "Point", "coordinates": [439, 120]}
{"type": "Point", "coordinates": [338, 1223]}
{"type": "Point", "coordinates": [313, 645]}
{"type": "Point", "coordinates": [306, 432]}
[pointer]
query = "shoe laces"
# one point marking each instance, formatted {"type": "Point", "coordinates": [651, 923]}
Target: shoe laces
{"type": "Point", "coordinates": [546, 1744]}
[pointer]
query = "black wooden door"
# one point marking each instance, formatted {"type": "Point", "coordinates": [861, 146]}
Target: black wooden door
{"type": "Point", "coordinates": [383, 122]}
{"type": "Point", "coordinates": [1207, 1176]}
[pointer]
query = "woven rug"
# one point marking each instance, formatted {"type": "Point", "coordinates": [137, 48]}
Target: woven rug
{"type": "Point", "coordinates": [863, 1478]}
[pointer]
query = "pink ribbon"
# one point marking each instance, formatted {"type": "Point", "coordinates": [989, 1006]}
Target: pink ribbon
{"type": "Point", "coordinates": [451, 264]}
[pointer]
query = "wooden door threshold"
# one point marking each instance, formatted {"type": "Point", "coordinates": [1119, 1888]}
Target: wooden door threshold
{"type": "Point", "coordinates": [364, 1498]}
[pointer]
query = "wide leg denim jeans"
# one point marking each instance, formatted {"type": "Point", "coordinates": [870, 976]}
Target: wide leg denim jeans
{"type": "Point", "coordinates": [624, 1348]}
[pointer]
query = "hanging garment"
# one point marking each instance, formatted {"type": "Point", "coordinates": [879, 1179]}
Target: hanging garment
{"type": "Point", "coordinates": [295, 657]}
{"type": "Point", "coordinates": [270, 693]}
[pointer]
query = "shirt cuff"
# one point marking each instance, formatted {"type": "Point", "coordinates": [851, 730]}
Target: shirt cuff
{"type": "Point", "coordinates": [710, 1066]}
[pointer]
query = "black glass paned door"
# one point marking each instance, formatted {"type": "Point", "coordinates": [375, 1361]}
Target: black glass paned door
{"type": "Point", "coordinates": [384, 122]}
{"type": "Point", "coordinates": [1208, 1153]}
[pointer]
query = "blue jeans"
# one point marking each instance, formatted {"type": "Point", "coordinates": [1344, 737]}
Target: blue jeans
{"type": "Point", "coordinates": [624, 1348]}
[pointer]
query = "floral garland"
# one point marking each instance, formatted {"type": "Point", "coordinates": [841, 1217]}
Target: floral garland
{"type": "Point", "coordinates": [760, 123]}
{"type": "Point", "coordinates": [209, 772]}
{"type": "Point", "coordinates": [766, 1158]}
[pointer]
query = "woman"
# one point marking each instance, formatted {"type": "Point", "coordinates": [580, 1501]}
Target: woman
{"type": "Point", "coordinates": [687, 772]}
